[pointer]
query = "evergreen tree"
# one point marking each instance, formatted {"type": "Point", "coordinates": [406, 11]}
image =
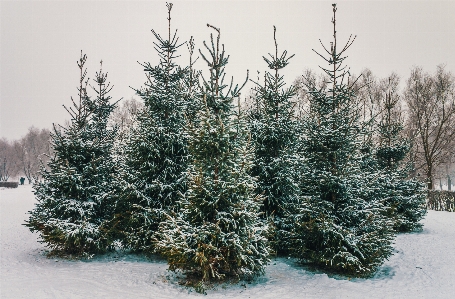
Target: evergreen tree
{"type": "Point", "coordinates": [338, 224]}
{"type": "Point", "coordinates": [192, 91]}
{"type": "Point", "coordinates": [405, 197]}
{"type": "Point", "coordinates": [74, 196]}
{"type": "Point", "coordinates": [368, 97]}
{"type": "Point", "coordinates": [155, 156]}
{"type": "Point", "coordinates": [274, 134]}
{"type": "Point", "coordinates": [218, 232]}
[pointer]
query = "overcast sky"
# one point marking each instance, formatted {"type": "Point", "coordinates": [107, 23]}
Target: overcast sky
{"type": "Point", "coordinates": [41, 42]}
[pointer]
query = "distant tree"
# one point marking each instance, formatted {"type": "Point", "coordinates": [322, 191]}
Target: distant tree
{"type": "Point", "coordinates": [74, 196]}
{"type": "Point", "coordinates": [303, 96]}
{"type": "Point", "coordinates": [8, 162]}
{"type": "Point", "coordinates": [431, 103]}
{"type": "Point", "coordinates": [217, 233]}
{"type": "Point", "coordinates": [405, 197]}
{"type": "Point", "coordinates": [450, 172]}
{"type": "Point", "coordinates": [124, 116]}
{"type": "Point", "coordinates": [31, 150]}
{"type": "Point", "coordinates": [392, 145]}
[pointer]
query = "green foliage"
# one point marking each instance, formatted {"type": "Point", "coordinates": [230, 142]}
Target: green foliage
{"type": "Point", "coordinates": [274, 135]}
{"type": "Point", "coordinates": [155, 155]}
{"type": "Point", "coordinates": [75, 196]}
{"type": "Point", "coordinates": [339, 223]}
{"type": "Point", "coordinates": [274, 132]}
{"type": "Point", "coordinates": [190, 182]}
{"type": "Point", "coordinates": [217, 233]}
{"type": "Point", "coordinates": [441, 200]}
{"type": "Point", "coordinates": [354, 242]}
{"type": "Point", "coordinates": [405, 197]}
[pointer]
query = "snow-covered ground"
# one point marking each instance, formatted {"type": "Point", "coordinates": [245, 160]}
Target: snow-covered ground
{"type": "Point", "coordinates": [423, 266]}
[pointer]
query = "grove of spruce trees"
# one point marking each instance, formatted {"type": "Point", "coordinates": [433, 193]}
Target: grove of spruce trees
{"type": "Point", "coordinates": [215, 190]}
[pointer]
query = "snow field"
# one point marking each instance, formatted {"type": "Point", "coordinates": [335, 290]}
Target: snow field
{"type": "Point", "coordinates": [422, 266]}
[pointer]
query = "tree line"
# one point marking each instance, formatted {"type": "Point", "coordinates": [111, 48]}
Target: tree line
{"type": "Point", "coordinates": [23, 157]}
{"type": "Point", "coordinates": [424, 108]}
{"type": "Point", "coordinates": [215, 188]}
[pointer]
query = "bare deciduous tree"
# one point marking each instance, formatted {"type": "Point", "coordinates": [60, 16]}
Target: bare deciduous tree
{"type": "Point", "coordinates": [30, 150]}
{"type": "Point", "coordinates": [124, 115]}
{"type": "Point", "coordinates": [431, 107]}
{"type": "Point", "coordinates": [302, 84]}
{"type": "Point", "coordinates": [8, 163]}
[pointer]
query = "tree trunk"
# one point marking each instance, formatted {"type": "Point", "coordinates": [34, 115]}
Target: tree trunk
{"type": "Point", "coordinates": [430, 178]}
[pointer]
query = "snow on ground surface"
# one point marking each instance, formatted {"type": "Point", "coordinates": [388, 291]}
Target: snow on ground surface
{"type": "Point", "coordinates": [423, 266]}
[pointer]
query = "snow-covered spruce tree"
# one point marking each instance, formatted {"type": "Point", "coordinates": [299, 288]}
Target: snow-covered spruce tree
{"type": "Point", "coordinates": [218, 233]}
{"type": "Point", "coordinates": [154, 156]}
{"type": "Point", "coordinates": [368, 95]}
{"type": "Point", "coordinates": [405, 197]}
{"type": "Point", "coordinates": [274, 132]}
{"type": "Point", "coordinates": [192, 91]}
{"type": "Point", "coordinates": [74, 196]}
{"type": "Point", "coordinates": [338, 224]}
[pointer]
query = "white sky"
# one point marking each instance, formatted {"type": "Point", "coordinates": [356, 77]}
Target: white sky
{"type": "Point", "coordinates": [40, 42]}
